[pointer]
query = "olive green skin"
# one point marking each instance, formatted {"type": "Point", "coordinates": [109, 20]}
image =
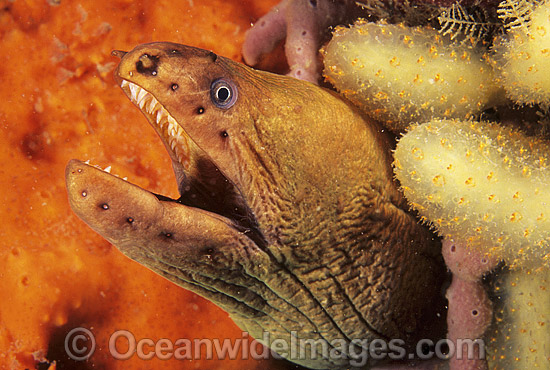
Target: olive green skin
{"type": "Point", "coordinates": [327, 252]}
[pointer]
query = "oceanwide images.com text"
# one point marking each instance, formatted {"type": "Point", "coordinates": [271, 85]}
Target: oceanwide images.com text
{"type": "Point", "coordinates": [80, 345]}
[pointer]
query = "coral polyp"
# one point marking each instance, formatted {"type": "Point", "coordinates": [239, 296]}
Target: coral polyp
{"type": "Point", "coordinates": [401, 74]}
{"type": "Point", "coordinates": [484, 188]}
{"type": "Point", "coordinates": [522, 57]}
{"type": "Point", "coordinates": [520, 335]}
{"type": "Point", "coordinates": [482, 183]}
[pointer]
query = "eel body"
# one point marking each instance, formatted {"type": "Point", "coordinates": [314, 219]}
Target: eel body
{"type": "Point", "coordinates": [289, 218]}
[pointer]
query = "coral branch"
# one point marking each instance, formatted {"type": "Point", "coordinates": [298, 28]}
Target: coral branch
{"type": "Point", "coordinates": [485, 186]}
{"type": "Point", "coordinates": [481, 183]}
{"type": "Point", "coordinates": [523, 56]}
{"type": "Point", "coordinates": [520, 337]}
{"type": "Point", "coordinates": [401, 75]}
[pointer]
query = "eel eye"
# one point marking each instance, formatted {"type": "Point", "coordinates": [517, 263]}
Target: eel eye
{"type": "Point", "coordinates": [223, 93]}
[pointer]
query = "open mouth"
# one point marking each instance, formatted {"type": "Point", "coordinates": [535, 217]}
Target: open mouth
{"type": "Point", "coordinates": [201, 184]}
{"type": "Point", "coordinates": [174, 137]}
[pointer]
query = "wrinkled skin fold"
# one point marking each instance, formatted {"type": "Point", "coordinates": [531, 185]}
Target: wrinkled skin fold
{"type": "Point", "coordinates": [288, 217]}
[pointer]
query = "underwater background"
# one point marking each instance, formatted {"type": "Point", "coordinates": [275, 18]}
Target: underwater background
{"type": "Point", "coordinates": [59, 101]}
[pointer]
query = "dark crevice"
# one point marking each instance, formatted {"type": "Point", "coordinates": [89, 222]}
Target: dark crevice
{"type": "Point", "coordinates": [210, 190]}
{"type": "Point", "coordinates": [56, 347]}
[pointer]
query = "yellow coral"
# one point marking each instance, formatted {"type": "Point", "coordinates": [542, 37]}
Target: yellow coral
{"type": "Point", "coordinates": [401, 75]}
{"type": "Point", "coordinates": [481, 183]}
{"type": "Point", "coordinates": [523, 59]}
{"type": "Point", "coordinates": [519, 339]}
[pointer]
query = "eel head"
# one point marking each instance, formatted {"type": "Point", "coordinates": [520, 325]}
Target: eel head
{"type": "Point", "coordinates": [288, 216]}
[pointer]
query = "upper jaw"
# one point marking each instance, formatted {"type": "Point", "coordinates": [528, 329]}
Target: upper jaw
{"type": "Point", "coordinates": [206, 189]}
{"type": "Point", "coordinates": [175, 139]}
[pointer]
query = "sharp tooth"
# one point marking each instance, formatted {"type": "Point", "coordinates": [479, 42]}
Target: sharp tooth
{"type": "Point", "coordinates": [133, 90]}
{"type": "Point", "coordinates": [172, 124]}
{"type": "Point", "coordinates": [150, 108]}
{"type": "Point", "coordinates": [142, 102]}
{"type": "Point", "coordinates": [87, 162]}
{"type": "Point", "coordinates": [161, 114]}
{"type": "Point", "coordinates": [142, 94]}
{"type": "Point", "coordinates": [124, 83]}
{"type": "Point", "coordinates": [107, 169]}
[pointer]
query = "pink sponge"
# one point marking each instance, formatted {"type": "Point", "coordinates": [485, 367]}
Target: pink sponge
{"type": "Point", "coordinates": [304, 23]}
{"type": "Point", "coordinates": [466, 263]}
{"type": "Point", "coordinates": [470, 310]}
{"type": "Point", "coordinates": [469, 315]}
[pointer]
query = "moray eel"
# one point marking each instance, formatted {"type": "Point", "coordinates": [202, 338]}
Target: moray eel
{"type": "Point", "coordinates": [289, 218]}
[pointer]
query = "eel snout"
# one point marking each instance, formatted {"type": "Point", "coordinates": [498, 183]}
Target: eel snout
{"type": "Point", "coordinates": [141, 225]}
{"type": "Point", "coordinates": [111, 206]}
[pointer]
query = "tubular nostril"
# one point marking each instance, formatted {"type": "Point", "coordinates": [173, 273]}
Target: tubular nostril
{"type": "Point", "coordinates": [118, 53]}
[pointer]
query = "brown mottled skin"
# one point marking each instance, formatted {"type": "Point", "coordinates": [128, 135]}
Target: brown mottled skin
{"type": "Point", "coordinates": [288, 219]}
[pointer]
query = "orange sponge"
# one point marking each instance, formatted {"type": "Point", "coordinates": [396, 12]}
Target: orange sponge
{"type": "Point", "coordinates": [59, 101]}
